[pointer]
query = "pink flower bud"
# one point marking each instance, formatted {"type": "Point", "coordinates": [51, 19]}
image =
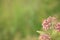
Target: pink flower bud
{"type": "Point", "coordinates": [49, 19]}
{"type": "Point", "coordinates": [57, 27]}
{"type": "Point", "coordinates": [44, 37]}
{"type": "Point", "coordinates": [53, 19]}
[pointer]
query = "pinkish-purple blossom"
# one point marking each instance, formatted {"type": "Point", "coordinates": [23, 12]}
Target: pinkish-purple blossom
{"type": "Point", "coordinates": [47, 22]}
{"type": "Point", "coordinates": [57, 27]}
{"type": "Point", "coordinates": [46, 25]}
{"type": "Point", "coordinates": [44, 37]}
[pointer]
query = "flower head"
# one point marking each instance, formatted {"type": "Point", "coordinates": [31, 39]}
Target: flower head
{"type": "Point", "coordinates": [57, 27]}
{"type": "Point", "coordinates": [46, 25]}
{"type": "Point", "coordinates": [44, 37]}
{"type": "Point", "coordinates": [47, 22]}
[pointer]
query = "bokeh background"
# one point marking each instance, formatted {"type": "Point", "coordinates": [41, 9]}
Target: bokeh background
{"type": "Point", "coordinates": [20, 19]}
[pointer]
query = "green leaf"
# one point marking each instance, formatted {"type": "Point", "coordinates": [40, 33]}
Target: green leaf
{"type": "Point", "coordinates": [40, 32]}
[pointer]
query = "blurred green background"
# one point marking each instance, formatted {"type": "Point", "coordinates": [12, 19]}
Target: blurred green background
{"type": "Point", "coordinates": [20, 19]}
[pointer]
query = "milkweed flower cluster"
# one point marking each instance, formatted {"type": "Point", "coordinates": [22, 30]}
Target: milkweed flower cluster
{"type": "Point", "coordinates": [48, 22]}
{"type": "Point", "coordinates": [51, 27]}
{"type": "Point", "coordinates": [44, 37]}
{"type": "Point", "coordinates": [57, 27]}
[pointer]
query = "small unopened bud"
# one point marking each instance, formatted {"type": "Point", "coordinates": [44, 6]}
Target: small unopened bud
{"type": "Point", "coordinates": [49, 19]}
{"type": "Point", "coordinates": [53, 18]}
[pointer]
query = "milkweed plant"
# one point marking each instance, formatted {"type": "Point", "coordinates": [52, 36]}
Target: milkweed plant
{"type": "Point", "coordinates": [50, 29]}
